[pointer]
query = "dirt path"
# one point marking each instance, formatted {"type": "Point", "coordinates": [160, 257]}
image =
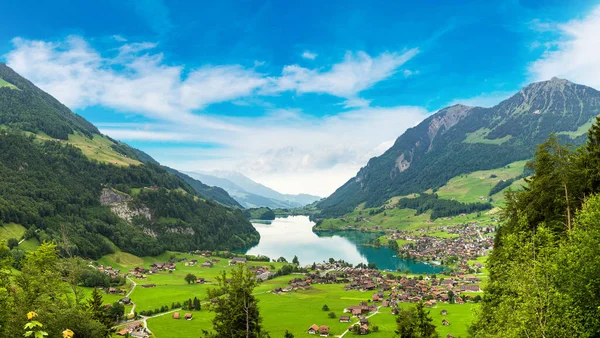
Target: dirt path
{"type": "Point", "coordinates": [132, 312]}
{"type": "Point", "coordinates": [369, 316]}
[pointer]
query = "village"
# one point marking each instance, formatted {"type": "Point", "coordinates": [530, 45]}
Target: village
{"type": "Point", "coordinates": [451, 245]}
{"type": "Point", "coordinates": [383, 289]}
{"type": "Point", "coordinates": [386, 290]}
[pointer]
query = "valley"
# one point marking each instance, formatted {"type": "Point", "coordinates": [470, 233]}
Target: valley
{"type": "Point", "coordinates": [156, 251]}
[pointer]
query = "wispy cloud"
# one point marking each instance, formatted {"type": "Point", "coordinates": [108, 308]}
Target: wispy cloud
{"type": "Point", "coordinates": [357, 72]}
{"type": "Point", "coordinates": [133, 81]}
{"type": "Point", "coordinates": [308, 55]}
{"type": "Point", "coordinates": [575, 54]}
{"type": "Point", "coordinates": [321, 153]}
{"type": "Point", "coordinates": [274, 147]}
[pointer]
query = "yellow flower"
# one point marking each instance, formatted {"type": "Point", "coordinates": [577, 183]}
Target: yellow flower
{"type": "Point", "coordinates": [68, 333]}
{"type": "Point", "coordinates": [31, 315]}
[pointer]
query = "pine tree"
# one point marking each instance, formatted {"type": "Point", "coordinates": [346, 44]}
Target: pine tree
{"type": "Point", "coordinates": [236, 310]}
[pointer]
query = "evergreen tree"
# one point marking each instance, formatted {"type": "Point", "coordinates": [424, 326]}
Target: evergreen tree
{"type": "Point", "coordinates": [190, 278]}
{"type": "Point", "coordinates": [415, 323]}
{"type": "Point", "coordinates": [295, 260]}
{"type": "Point", "coordinates": [97, 310]}
{"type": "Point", "coordinates": [236, 310]}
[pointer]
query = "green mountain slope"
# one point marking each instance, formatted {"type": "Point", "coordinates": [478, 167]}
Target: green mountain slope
{"type": "Point", "coordinates": [64, 181]}
{"type": "Point", "coordinates": [460, 139]}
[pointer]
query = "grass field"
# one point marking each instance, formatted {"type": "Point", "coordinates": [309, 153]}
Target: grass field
{"type": "Point", "coordinates": [30, 244]}
{"type": "Point", "coordinates": [296, 311]}
{"type": "Point", "coordinates": [11, 230]}
{"type": "Point", "coordinates": [402, 219]}
{"type": "Point", "coordinates": [470, 187]}
{"type": "Point", "coordinates": [478, 136]}
{"type": "Point", "coordinates": [580, 131]}
{"type": "Point", "coordinates": [99, 149]}
{"type": "Point", "coordinates": [3, 83]}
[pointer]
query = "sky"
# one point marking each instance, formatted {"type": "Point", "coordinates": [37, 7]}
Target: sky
{"type": "Point", "coordinates": [297, 95]}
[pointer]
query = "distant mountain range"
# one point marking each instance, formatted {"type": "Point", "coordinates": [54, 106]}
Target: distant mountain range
{"type": "Point", "coordinates": [460, 139]}
{"type": "Point", "coordinates": [251, 194]}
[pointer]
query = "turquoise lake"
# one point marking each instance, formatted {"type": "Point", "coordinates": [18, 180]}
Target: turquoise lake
{"type": "Point", "coordinates": [286, 237]}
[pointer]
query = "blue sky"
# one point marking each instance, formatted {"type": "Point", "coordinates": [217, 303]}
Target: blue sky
{"type": "Point", "coordinates": [296, 95]}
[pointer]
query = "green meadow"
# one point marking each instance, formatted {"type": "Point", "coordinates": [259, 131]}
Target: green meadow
{"type": "Point", "coordinates": [11, 230]}
{"type": "Point", "coordinates": [3, 83]}
{"type": "Point", "coordinates": [296, 311]}
{"type": "Point", "coordinates": [471, 187]}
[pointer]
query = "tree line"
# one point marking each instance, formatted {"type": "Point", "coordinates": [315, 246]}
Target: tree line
{"type": "Point", "coordinates": [544, 270]}
{"type": "Point", "coordinates": [441, 207]}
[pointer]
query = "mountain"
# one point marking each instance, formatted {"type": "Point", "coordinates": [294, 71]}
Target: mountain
{"type": "Point", "coordinates": [66, 182]}
{"type": "Point", "coordinates": [252, 194]}
{"type": "Point", "coordinates": [461, 139]}
{"type": "Point", "coordinates": [214, 192]}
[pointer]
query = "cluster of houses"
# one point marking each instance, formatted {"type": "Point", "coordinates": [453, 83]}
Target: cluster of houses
{"type": "Point", "coordinates": [471, 241]}
{"type": "Point", "coordinates": [400, 288]}
{"type": "Point", "coordinates": [358, 311]}
{"type": "Point", "coordinates": [322, 330]}
{"type": "Point", "coordinates": [187, 316]}
{"type": "Point", "coordinates": [430, 290]}
{"type": "Point", "coordinates": [295, 284]}
{"type": "Point", "coordinates": [136, 329]}
{"type": "Point", "coordinates": [112, 273]}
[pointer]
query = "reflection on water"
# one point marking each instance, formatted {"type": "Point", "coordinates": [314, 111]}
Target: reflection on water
{"type": "Point", "coordinates": [294, 236]}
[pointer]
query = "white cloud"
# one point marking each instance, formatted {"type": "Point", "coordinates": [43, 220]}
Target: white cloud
{"type": "Point", "coordinates": [119, 38]}
{"type": "Point", "coordinates": [308, 55]}
{"type": "Point", "coordinates": [356, 102]}
{"type": "Point", "coordinates": [357, 72]}
{"type": "Point", "coordinates": [285, 148]}
{"type": "Point", "coordinates": [79, 76]}
{"type": "Point", "coordinates": [575, 55]}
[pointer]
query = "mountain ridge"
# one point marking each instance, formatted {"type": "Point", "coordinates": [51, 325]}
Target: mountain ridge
{"type": "Point", "coordinates": [250, 193]}
{"type": "Point", "coordinates": [461, 139]}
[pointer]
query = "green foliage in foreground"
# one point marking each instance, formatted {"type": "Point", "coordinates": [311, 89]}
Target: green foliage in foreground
{"type": "Point", "coordinates": [39, 288]}
{"type": "Point", "coordinates": [544, 270]}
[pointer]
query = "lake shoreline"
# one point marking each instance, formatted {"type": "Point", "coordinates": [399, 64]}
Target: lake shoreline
{"type": "Point", "coordinates": [296, 236]}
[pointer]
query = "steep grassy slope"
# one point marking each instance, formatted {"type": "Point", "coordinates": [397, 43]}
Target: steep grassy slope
{"type": "Point", "coordinates": [459, 140]}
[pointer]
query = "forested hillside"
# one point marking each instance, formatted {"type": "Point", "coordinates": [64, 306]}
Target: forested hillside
{"type": "Point", "coordinates": [544, 267]}
{"type": "Point", "coordinates": [52, 189]}
{"type": "Point", "coordinates": [29, 108]}
{"type": "Point", "coordinates": [461, 139]}
{"type": "Point", "coordinates": [54, 166]}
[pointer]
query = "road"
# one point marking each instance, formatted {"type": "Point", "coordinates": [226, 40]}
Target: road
{"type": "Point", "coordinates": [132, 312]}
{"type": "Point", "coordinates": [369, 316]}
